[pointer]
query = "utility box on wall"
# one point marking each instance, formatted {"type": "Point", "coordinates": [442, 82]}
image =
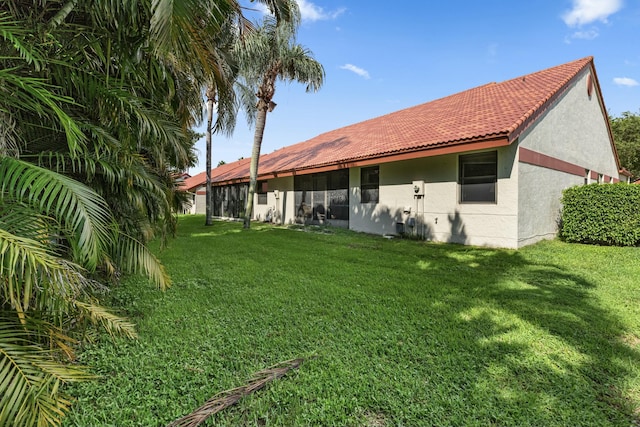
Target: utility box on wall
{"type": "Point", "coordinates": [418, 188]}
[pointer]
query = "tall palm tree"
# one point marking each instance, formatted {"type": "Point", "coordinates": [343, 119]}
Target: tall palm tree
{"type": "Point", "coordinates": [211, 100]}
{"type": "Point", "coordinates": [219, 92]}
{"type": "Point", "coordinates": [220, 97]}
{"type": "Point", "coordinates": [267, 55]}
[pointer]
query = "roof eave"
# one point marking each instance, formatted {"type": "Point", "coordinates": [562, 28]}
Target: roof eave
{"type": "Point", "coordinates": [485, 143]}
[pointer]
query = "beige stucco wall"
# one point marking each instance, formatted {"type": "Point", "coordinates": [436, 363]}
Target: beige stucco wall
{"type": "Point", "coordinates": [200, 203]}
{"type": "Point", "coordinates": [282, 205]}
{"type": "Point", "coordinates": [573, 129]}
{"type": "Point", "coordinates": [438, 215]}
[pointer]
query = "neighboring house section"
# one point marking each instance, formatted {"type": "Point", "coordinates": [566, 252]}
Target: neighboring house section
{"type": "Point", "coordinates": [229, 189]}
{"type": "Point", "coordinates": [188, 206]}
{"type": "Point", "coordinates": [486, 166]}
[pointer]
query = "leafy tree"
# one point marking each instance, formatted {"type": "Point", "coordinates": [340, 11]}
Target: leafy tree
{"type": "Point", "coordinates": [626, 135]}
{"type": "Point", "coordinates": [44, 214]}
{"type": "Point", "coordinates": [267, 55]}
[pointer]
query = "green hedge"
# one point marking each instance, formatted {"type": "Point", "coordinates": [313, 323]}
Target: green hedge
{"type": "Point", "coordinates": [601, 214]}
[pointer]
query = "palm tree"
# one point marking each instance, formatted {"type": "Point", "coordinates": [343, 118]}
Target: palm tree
{"type": "Point", "coordinates": [57, 232]}
{"type": "Point", "coordinates": [221, 97]}
{"type": "Point", "coordinates": [92, 128]}
{"type": "Point", "coordinates": [267, 55]}
{"type": "Point", "coordinates": [223, 74]}
{"type": "Point", "coordinates": [211, 99]}
{"type": "Point", "coordinates": [97, 101]}
{"type": "Point", "coordinates": [41, 291]}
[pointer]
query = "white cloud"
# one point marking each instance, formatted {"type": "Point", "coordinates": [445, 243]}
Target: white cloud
{"type": "Point", "coordinates": [312, 12]}
{"type": "Point", "coordinates": [359, 71]}
{"type": "Point", "coordinates": [625, 81]}
{"type": "Point", "coordinates": [308, 11]}
{"type": "Point", "coordinates": [586, 35]}
{"type": "Point", "coordinates": [588, 11]}
{"type": "Point", "coordinates": [261, 8]}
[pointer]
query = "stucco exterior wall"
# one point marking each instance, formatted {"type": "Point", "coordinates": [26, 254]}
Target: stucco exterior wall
{"type": "Point", "coordinates": [574, 130]}
{"type": "Point", "coordinates": [439, 215]}
{"type": "Point", "coordinates": [200, 203]}
{"type": "Point", "coordinates": [279, 200]}
{"type": "Point", "coordinates": [539, 206]}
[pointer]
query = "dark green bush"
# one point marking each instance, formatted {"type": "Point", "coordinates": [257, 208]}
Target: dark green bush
{"type": "Point", "coordinates": [601, 214]}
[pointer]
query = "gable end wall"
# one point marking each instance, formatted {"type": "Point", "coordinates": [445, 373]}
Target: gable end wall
{"type": "Point", "coordinates": [574, 132]}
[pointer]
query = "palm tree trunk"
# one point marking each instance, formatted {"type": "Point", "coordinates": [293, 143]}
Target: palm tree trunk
{"type": "Point", "coordinates": [261, 120]}
{"type": "Point", "coordinates": [62, 14]}
{"type": "Point", "coordinates": [211, 93]}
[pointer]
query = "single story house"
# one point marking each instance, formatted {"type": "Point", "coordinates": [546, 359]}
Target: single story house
{"type": "Point", "coordinates": [486, 166]}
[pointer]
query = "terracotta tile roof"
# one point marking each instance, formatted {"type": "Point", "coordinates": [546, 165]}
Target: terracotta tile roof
{"type": "Point", "coordinates": [494, 110]}
{"type": "Point", "coordinates": [226, 172]}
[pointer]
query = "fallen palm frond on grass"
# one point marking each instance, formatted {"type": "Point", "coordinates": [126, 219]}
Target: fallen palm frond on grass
{"type": "Point", "coordinates": [228, 398]}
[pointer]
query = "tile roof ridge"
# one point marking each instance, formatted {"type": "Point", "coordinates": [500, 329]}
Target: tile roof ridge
{"type": "Point", "coordinates": [516, 129]}
{"type": "Point", "coordinates": [584, 60]}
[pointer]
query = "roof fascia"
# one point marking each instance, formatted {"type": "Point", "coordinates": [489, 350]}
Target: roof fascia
{"type": "Point", "coordinates": [418, 154]}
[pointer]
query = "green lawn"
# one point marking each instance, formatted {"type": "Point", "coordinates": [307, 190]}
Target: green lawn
{"type": "Point", "coordinates": [396, 332]}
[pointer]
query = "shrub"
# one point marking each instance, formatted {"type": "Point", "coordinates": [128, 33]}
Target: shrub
{"type": "Point", "coordinates": [601, 214]}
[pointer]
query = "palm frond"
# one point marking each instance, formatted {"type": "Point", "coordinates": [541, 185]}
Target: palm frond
{"type": "Point", "coordinates": [13, 32]}
{"type": "Point", "coordinates": [113, 324]}
{"type": "Point", "coordinates": [36, 96]}
{"type": "Point", "coordinates": [179, 26]}
{"type": "Point", "coordinates": [20, 219]}
{"type": "Point", "coordinates": [79, 208]}
{"type": "Point", "coordinates": [9, 140]}
{"type": "Point", "coordinates": [30, 380]}
{"type": "Point", "coordinates": [283, 10]}
{"type": "Point", "coordinates": [24, 264]}
{"type": "Point", "coordinates": [141, 198]}
{"type": "Point", "coordinates": [299, 65]}
{"type": "Point", "coordinates": [134, 257]}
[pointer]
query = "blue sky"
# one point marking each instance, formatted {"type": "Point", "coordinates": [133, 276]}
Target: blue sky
{"type": "Point", "coordinates": [381, 57]}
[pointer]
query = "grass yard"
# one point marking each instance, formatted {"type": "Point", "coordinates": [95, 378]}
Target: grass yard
{"type": "Point", "coordinates": [396, 332]}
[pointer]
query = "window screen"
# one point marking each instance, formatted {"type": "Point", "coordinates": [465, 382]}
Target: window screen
{"type": "Point", "coordinates": [370, 184]}
{"type": "Point", "coordinates": [262, 192]}
{"type": "Point", "coordinates": [478, 177]}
